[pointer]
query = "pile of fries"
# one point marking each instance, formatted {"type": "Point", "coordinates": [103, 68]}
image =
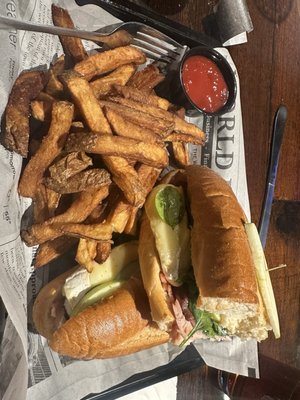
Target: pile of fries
{"type": "Point", "coordinates": [96, 141]}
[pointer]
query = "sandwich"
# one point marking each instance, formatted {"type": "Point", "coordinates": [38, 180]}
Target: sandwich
{"type": "Point", "coordinates": [103, 314]}
{"type": "Point", "coordinates": [202, 263]}
{"type": "Point", "coordinates": [197, 271]}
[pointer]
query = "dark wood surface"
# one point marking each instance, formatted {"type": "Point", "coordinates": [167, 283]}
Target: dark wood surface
{"type": "Point", "coordinates": [269, 71]}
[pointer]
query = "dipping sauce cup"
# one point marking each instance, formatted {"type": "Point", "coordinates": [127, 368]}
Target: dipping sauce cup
{"type": "Point", "coordinates": [207, 82]}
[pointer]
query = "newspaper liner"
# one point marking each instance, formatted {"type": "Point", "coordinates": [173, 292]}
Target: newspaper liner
{"type": "Point", "coordinates": [28, 368]}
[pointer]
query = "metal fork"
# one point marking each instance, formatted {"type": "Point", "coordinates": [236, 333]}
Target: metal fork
{"type": "Point", "coordinates": [156, 45]}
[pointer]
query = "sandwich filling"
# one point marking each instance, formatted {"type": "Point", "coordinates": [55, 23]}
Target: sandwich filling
{"type": "Point", "coordinates": [166, 210]}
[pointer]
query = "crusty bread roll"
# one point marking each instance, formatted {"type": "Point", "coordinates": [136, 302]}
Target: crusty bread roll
{"type": "Point", "coordinates": [48, 311]}
{"type": "Point", "coordinates": [150, 269]}
{"type": "Point", "coordinates": [221, 256]}
{"type": "Point", "coordinates": [118, 325]}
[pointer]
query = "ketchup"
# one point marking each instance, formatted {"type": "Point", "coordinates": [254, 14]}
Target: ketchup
{"type": "Point", "coordinates": [204, 83]}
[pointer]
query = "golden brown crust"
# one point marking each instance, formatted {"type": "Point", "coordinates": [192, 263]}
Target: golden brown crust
{"type": "Point", "coordinates": [117, 326]}
{"type": "Point", "coordinates": [221, 254]}
{"type": "Point", "coordinates": [150, 336]}
{"type": "Point", "coordinates": [48, 309]}
{"type": "Point", "coordinates": [151, 269]}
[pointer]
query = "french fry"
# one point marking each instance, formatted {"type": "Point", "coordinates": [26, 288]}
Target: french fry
{"type": "Point", "coordinates": [123, 174]}
{"type": "Point", "coordinates": [119, 215]}
{"type": "Point", "coordinates": [53, 199]}
{"type": "Point", "coordinates": [97, 214]}
{"type": "Point", "coordinates": [72, 45]}
{"type": "Point", "coordinates": [116, 39]}
{"type": "Point", "coordinates": [183, 137]}
{"type": "Point", "coordinates": [120, 76]}
{"type": "Point", "coordinates": [162, 127]}
{"type": "Point", "coordinates": [76, 213]}
{"type": "Point", "coordinates": [53, 249]}
{"type": "Point", "coordinates": [122, 211]}
{"type": "Point", "coordinates": [54, 86]}
{"type": "Point", "coordinates": [84, 180]}
{"type": "Point", "coordinates": [101, 231]}
{"type": "Point", "coordinates": [26, 88]}
{"type": "Point", "coordinates": [126, 177]}
{"type": "Point", "coordinates": [53, 142]}
{"type": "Point", "coordinates": [181, 154]}
{"type": "Point", "coordinates": [146, 79]}
{"type": "Point", "coordinates": [148, 177]}
{"type": "Point", "coordinates": [41, 108]}
{"type": "Point", "coordinates": [101, 63]}
{"type": "Point", "coordinates": [180, 125]}
{"type": "Point", "coordinates": [77, 126]}
{"type": "Point", "coordinates": [142, 96]}
{"type": "Point", "coordinates": [70, 165]}
{"type": "Point", "coordinates": [86, 101]}
{"type": "Point", "coordinates": [148, 153]}
{"type": "Point", "coordinates": [123, 127]}
{"type": "Point", "coordinates": [81, 207]}
{"type": "Point", "coordinates": [86, 253]}
{"type": "Point", "coordinates": [132, 225]}
{"type": "Point", "coordinates": [103, 252]}
{"type": "Point", "coordinates": [40, 206]}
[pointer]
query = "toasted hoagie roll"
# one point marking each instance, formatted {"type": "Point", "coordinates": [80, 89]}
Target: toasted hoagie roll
{"type": "Point", "coordinates": [215, 293]}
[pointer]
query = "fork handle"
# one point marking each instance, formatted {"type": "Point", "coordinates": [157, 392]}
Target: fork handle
{"type": "Point", "coordinates": [113, 40]}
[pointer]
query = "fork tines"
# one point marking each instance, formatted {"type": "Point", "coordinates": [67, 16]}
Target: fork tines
{"type": "Point", "coordinates": [155, 48]}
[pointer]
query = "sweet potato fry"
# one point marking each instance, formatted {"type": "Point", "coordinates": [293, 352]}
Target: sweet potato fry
{"type": "Point", "coordinates": [162, 127]}
{"type": "Point", "coordinates": [146, 79]}
{"type": "Point", "coordinates": [76, 213]}
{"type": "Point", "coordinates": [53, 249]}
{"type": "Point", "coordinates": [148, 153]}
{"type": "Point", "coordinates": [72, 45]}
{"type": "Point", "coordinates": [54, 86]}
{"type": "Point", "coordinates": [180, 125]}
{"type": "Point", "coordinates": [86, 101]}
{"type": "Point", "coordinates": [84, 180]}
{"type": "Point", "coordinates": [123, 127]}
{"type": "Point", "coordinates": [26, 88]}
{"type": "Point", "coordinates": [53, 142]}
{"type": "Point", "coordinates": [142, 96]}
{"type": "Point", "coordinates": [120, 76]}
{"type": "Point", "coordinates": [69, 165]}
{"type": "Point", "coordinates": [101, 231]}
{"type": "Point", "coordinates": [109, 60]}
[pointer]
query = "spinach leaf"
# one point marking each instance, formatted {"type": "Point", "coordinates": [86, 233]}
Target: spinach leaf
{"type": "Point", "coordinates": [205, 321]}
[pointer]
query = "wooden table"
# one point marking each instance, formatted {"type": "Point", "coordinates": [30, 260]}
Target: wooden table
{"type": "Point", "coordinates": [269, 71]}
